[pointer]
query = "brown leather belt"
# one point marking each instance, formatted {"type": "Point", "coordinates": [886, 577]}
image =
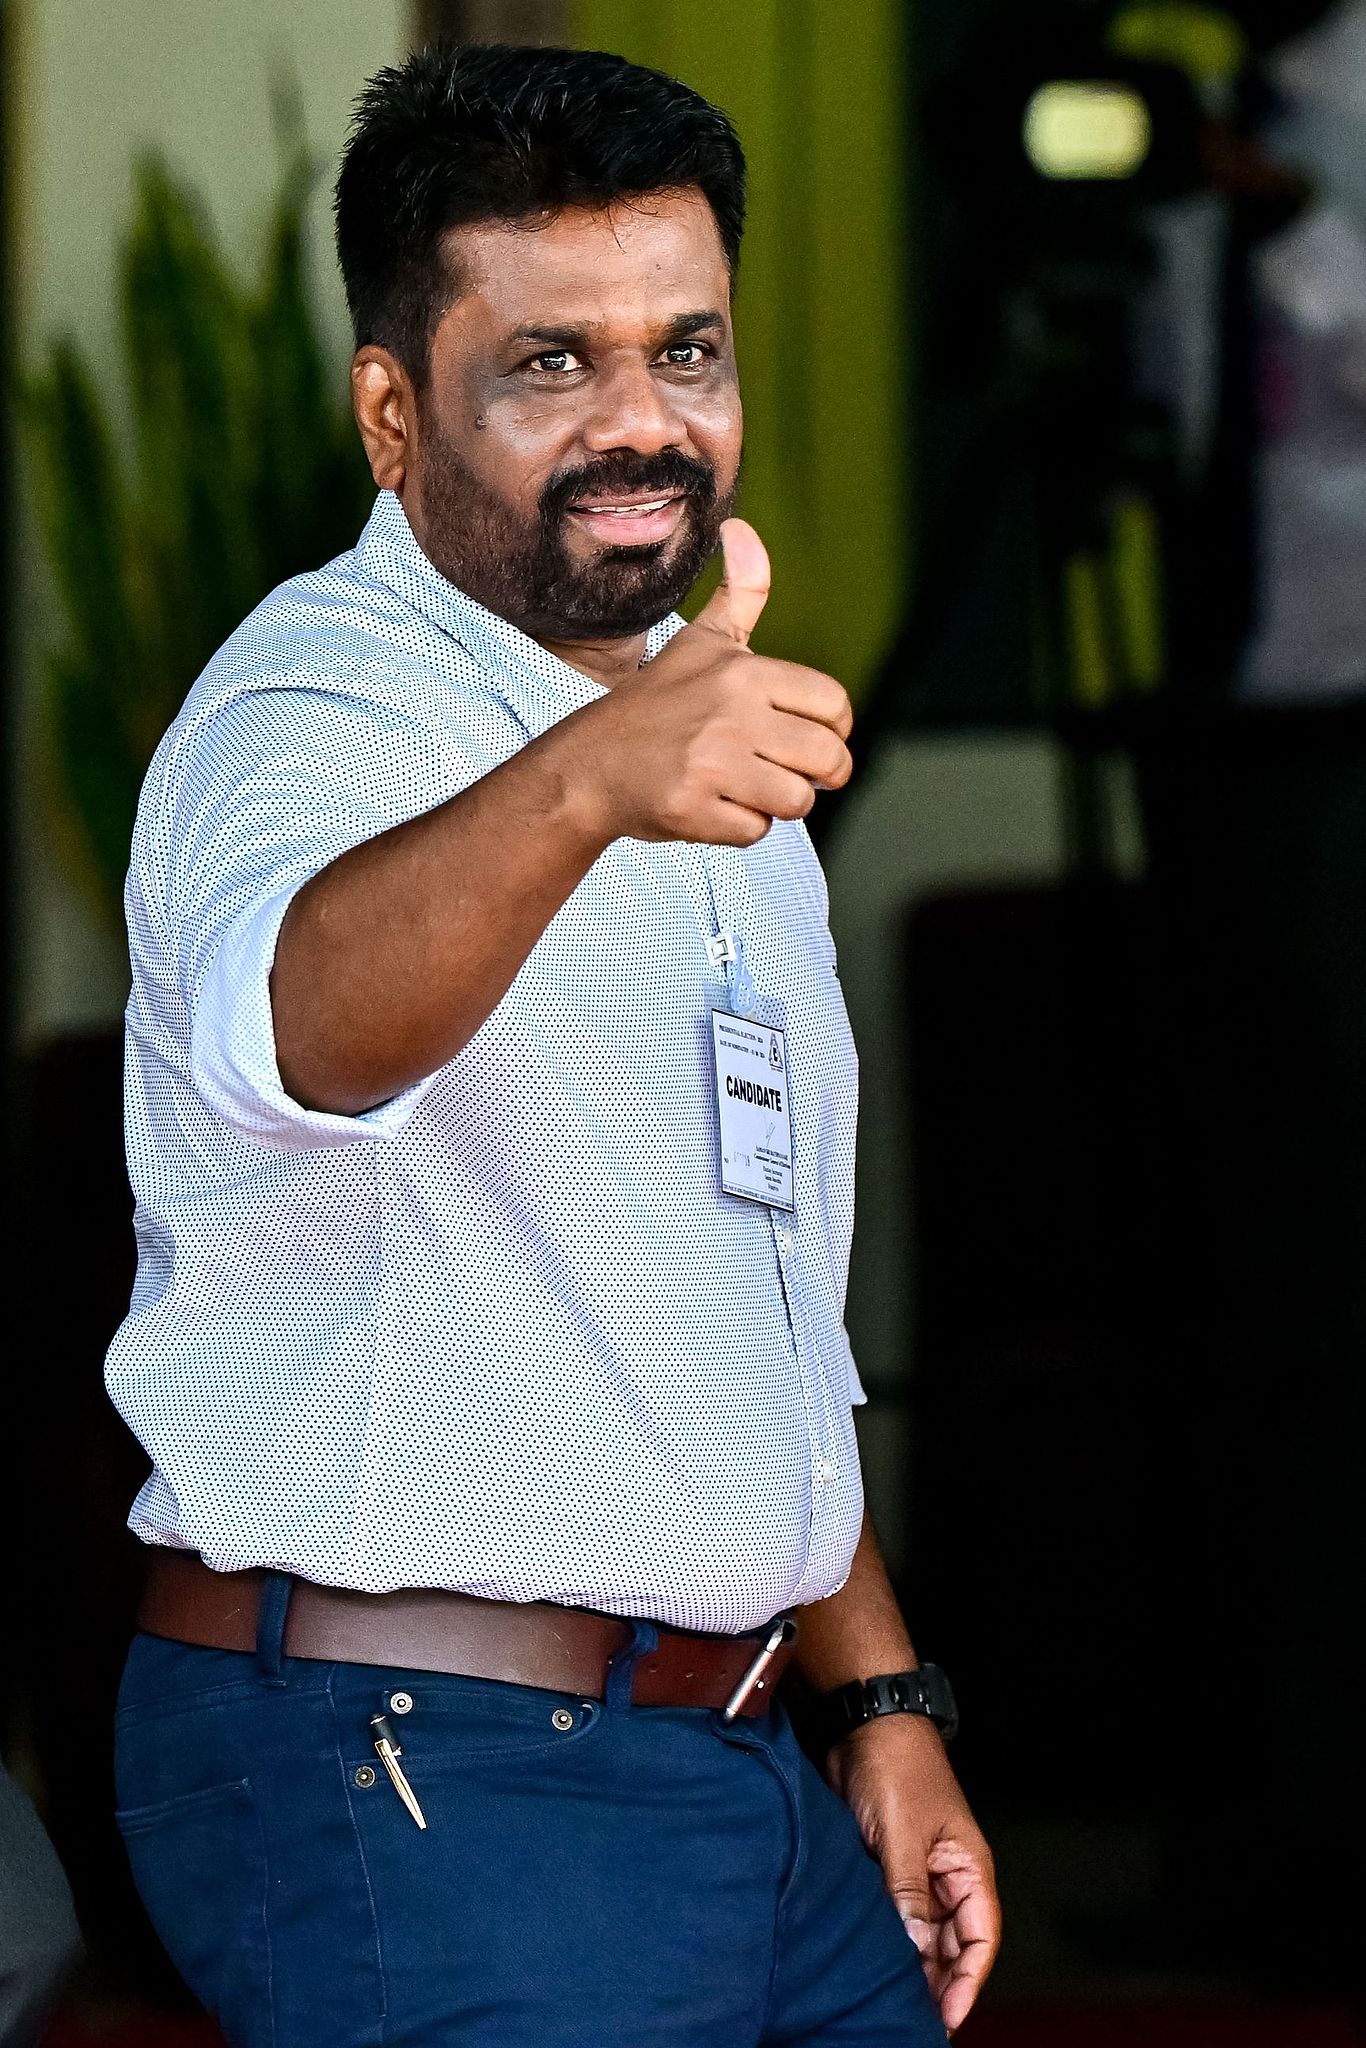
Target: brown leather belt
{"type": "Point", "coordinates": [560, 1649]}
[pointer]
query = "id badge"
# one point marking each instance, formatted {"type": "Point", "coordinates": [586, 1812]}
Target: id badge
{"type": "Point", "coordinates": [754, 1110]}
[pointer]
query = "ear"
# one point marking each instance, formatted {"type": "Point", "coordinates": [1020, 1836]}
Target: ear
{"type": "Point", "coordinates": [383, 400]}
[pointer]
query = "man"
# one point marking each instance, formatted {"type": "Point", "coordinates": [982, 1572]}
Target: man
{"type": "Point", "coordinates": [490, 1108]}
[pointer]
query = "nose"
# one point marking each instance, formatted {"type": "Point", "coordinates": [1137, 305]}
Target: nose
{"type": "Point", "coordinates": [631, 409]}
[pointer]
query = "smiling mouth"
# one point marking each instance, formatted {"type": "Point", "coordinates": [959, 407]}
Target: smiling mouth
{"type": "Point", "coordinates": [627, 508]}
{"type": "Point", "coordinates": [632, 521]}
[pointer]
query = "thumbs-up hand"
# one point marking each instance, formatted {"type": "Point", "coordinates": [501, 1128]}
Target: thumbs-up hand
{"type": "Point", "coordinates": [737, 604]}
{"type": "Point", "coordinates": [711, 742]}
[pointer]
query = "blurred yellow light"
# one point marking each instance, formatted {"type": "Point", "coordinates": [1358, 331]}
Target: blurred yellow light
{"type": "Point", "coordinates": [1077, 130]}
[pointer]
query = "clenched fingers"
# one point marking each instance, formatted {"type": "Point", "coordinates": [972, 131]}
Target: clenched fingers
{"type": "Point", "coordinates": [806, 747]}
{"type": "Point", "coordinates": [804, 691]}
{"type": "Point", "coordinates": [732, 824]}
{"type": "Point", "coordinates": [762, 786]}
{"type": "Point", "coordinates": [966, 1895]}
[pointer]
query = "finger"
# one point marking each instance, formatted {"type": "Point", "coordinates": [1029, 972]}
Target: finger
{"type": "Point", "coordinates": [732, 824]}
{"type": "Point", "coordinates": [736, 607]}
{"type": "Point", "coordinates": [761, 786]}
{"type": "Point", "coordinates": [923, 1933]}
{"type": "Point", "coordinates": [908, 1882]}
{"type": "Point", "coordinates": [807, 748]}
{"type": "Point", "coordinates": [972, 1905]}
{"type": "Point", "coordinates": [972, 1936]}
{"type": "Point", "coordinates": [965, 1890]}
{"type": "Point", "coordinates": [806, 693]}
{"type": "Point", "coordinates": [960, 1995]}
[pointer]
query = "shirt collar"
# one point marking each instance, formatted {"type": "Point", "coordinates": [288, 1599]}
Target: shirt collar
{"type": "Point", "coordinates": [537, 686]}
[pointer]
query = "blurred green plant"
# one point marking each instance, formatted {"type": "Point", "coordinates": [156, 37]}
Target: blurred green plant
{"type": "Point", "coordinates": [242, 468]}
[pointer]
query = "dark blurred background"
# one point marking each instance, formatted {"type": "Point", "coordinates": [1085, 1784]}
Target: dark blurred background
{"type": "Point", "coordinates": [1053, 328]}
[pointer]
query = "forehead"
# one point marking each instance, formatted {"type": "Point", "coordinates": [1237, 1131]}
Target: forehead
{"type": "Point", "coordinates": [643, 260]}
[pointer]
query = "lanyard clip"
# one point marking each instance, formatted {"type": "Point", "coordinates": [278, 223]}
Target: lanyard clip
{"type": "Point", "coordinates": [721, 950]}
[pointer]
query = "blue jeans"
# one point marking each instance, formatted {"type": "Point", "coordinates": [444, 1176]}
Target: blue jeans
{"type": "Point", "coordinates": [592, 1875]}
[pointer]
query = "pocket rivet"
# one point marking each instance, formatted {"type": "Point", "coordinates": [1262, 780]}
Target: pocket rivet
{"type": "Point", "coordinates": [400, 1703]}
{"type": "Point", "coordinates": [562, 1719]}
{"type": "Point", "coordinates": [365, 1777]}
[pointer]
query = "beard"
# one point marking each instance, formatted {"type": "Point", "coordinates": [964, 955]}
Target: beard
{"type": "Point", "coordinates": [522, 569]}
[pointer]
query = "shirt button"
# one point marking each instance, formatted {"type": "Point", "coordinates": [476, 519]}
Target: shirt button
{"type": "Point", "coordinates": [825, 1471]}
{"type": "Point", "coordinates": [785, 1241]}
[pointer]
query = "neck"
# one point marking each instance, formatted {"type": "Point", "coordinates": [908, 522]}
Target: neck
{"type": "Point", "coordinates": [607, 662]}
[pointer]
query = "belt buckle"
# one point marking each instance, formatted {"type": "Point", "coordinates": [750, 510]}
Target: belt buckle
{"type": "Point", "coordinates": [782, 1633]}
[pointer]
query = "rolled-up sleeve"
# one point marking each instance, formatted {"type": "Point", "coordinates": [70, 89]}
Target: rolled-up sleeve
{"type": "Point", "coordinates": [268, 792]}
{"type": "Point", "coordinates": [857, 1397]}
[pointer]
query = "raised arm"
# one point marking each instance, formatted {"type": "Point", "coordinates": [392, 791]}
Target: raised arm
{"type": "Point", "coordinates": [391, 958]}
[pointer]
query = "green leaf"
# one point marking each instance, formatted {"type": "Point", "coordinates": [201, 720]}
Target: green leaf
{"type": "Point", "coordinates": [245, 470]}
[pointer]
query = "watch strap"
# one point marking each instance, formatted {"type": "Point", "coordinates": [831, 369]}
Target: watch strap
{"type": "Point", "coordinates": [925, 1691]}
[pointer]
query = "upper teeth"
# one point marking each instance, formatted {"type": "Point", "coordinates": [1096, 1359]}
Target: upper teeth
{"type": "Point", "coordinates": [629, 511]}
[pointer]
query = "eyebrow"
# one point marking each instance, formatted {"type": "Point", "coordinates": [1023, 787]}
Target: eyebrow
{"type": "Point", "coordinates": [575, 337]}
{"type": "Point", "coordinates": [693, 323]}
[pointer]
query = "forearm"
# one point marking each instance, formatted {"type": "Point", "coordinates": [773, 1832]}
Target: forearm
{"type": "Point", "coordinates": [895, 1776]}
{"type": "Point", "coordinates": [390, 960]}
{"type": "Point", "coordinates": [858, 1632]}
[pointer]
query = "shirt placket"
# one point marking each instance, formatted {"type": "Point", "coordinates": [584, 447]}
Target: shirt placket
{"type": "Point", "coordinates": [728, 899]}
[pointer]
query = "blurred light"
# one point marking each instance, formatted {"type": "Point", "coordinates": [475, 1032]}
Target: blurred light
{"type": "Point", "coordinates": [1073, 129]}
{"type": "Point", "coordinates": [1204, 42]}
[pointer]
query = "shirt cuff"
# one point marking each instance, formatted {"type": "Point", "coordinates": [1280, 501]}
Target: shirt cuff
{"type": "Point", "coordinates": [857, 1397]}
{"type": "Point", "coordinates": [232, 1048]}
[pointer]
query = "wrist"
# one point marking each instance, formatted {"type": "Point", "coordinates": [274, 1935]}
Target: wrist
{"type": "Point", "coordinates": [910, 1748]}
{"type": "Point", "coordinates": [579, 794]}
{"type": "Point", "coordinates": [914, 1729]}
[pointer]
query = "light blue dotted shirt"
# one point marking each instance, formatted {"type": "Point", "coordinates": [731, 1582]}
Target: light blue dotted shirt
{"type": "Point", "coordinates": [504, 1333]}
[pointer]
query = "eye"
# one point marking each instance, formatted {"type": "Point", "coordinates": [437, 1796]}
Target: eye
{"type": "Point", "coordinates": [686, 355]}
{"type": "Point", "coordinates": [557, 362]}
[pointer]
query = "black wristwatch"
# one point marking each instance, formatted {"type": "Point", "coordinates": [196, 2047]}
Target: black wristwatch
{"type": "Point", "coordinates": [926, 1691]}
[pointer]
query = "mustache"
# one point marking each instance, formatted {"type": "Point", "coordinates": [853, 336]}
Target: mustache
{"type": "Point", "coordinates": [668, 472]}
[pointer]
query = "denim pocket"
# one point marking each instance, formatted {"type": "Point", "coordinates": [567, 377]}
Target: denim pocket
{"type": "Point", "coordinates": [199, 1863]}
{"type": "Point", "coordinates": [452, 1719]}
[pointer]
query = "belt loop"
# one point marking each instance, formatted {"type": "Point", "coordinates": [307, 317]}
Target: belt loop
{"type": "Point", "coordinates": [271, 1615]}
{"type": "Point", "coordinates": [621, 1670]}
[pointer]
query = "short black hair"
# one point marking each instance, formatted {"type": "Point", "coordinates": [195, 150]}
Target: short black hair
{"type": "Point", "coordinates": [459, 134]}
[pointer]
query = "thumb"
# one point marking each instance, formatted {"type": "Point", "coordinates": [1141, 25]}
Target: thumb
{"type": "Point", "coordinates": [736, 607]}
{"type": "Point", "coordinates": [909, 1884]}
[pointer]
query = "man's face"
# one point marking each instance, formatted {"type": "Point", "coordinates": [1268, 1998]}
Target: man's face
{"type": "Point", "coordinates": [577, 444]}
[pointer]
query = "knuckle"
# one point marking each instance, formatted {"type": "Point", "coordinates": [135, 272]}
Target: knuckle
{"type": "Point", "coordinates": [795, 801]}
{"type": "Point", "coordinates": [720, 713]}
{"type": "Point", "coordinates": [705, 751]}
{"type": "Point", "coordinates": [710, 767]}
{"type": "Point", "coordinates": [675, 815]}
{"type": "Point", "coordinates": [839, 765]}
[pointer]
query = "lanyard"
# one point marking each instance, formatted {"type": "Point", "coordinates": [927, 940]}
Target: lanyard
{"type": "Point", "coordinates": [726, 947]}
